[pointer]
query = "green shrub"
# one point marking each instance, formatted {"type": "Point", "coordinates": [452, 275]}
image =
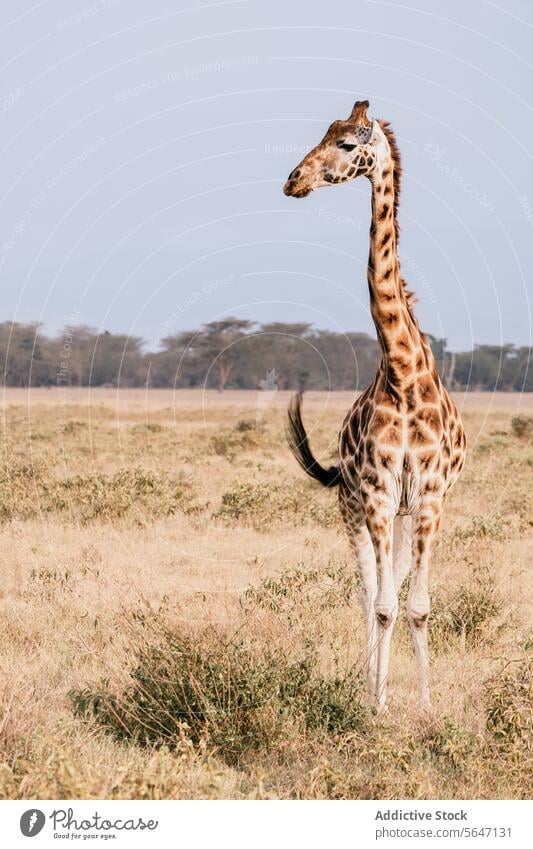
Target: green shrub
{"type": "Point", "coordinates": [261, 504]}
{"type": "Point", "coordinates": [468, 612]}
{"type": "Point", "coordinates": [509, 706]}
{"type": "Point", "coordinates": [29, 491]}
{"type": "Point", "coordinates": [327, 588]}
{"type": "Point", "coordinates": [148, 427]}
{"type": "Point", "coordinates": [522, 426]}
{"type": "Point", "coordinates": [485, 527]}
{"type": "Point", "coordinates": [232, 696]}
{"type": "Point", "coordinates": [450, 743]}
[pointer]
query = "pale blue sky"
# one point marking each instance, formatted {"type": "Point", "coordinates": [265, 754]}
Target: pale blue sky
{"type": "Point", "coordinates": [144, 147]}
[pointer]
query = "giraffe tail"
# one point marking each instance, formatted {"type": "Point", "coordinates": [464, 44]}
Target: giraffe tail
{"type": "Point", "coordinates": [299, 445]}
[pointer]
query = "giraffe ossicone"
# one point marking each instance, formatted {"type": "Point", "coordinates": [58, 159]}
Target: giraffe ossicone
{"type": "Point", "coordinates": [402, 445]}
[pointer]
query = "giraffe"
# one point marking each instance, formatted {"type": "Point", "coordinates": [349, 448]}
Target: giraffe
{"type": "Point", "coordinates": [402, 444]}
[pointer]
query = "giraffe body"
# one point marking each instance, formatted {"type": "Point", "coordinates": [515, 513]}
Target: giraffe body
{"type": "Point", "coordinates": [402, 444]}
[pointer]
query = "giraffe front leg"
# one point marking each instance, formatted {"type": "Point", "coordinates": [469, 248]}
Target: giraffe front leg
{"type": "Point", "coordinates": [365, 559]}
{"type": "Point", "coordinates": [386, 605]}
{"type": "Point", "coordinates": [418, 604]}
{"type": "Point", "coordinates": [366, 562]}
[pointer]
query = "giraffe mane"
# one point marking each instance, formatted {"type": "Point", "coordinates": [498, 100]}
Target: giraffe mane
{"type": "Point", "coordinates": [410, 297]}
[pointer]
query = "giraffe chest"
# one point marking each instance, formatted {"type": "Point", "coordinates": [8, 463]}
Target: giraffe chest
{"type": "Point", "coordinates": [404, 458]}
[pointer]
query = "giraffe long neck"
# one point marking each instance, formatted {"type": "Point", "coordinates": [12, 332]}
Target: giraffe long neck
{"type": "Point", "coordinates": [404, 349]}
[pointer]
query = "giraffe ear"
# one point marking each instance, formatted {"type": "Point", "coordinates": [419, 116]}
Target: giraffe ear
{"type": "Point", "coordinates": [358, 113]}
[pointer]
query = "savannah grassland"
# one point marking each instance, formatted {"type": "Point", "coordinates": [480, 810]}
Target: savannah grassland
{"type": "Point", "coordinates": [179, 613]}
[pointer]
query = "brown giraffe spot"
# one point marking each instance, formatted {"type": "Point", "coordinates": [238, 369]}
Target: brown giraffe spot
{"type": "Point", "coordinates": [380, 419]}
{"type": "Point", "coordinates": [419, 362]}
{"type": "Point", "coordinates": [372, 480]}
{"type": "Point", "coordinates": [417, 436]}
{"type": "Point", "coordinates": [430, 417]}
{"type": "Point", "coordinates": [370, 453]}
{"type": "Point", "coordinates": [387, 190]}
{"type": "Point", "coordinates": [348, 438]}
{"type": "Point", "coordinates": [391, 318]}
{"type": "Point", "coordinates": [426, 460]}
{"type": "Point", "coordinates": [386, 460]}
{"type": "Point", "coordinates": [366, 411]}
{"type": "Point", "coordinates": [410, 397]}
{"type": "Point", "coordinates": [404, 366]}
{"type": "Point", "coordinates": [386, 253]}
{"type": "Point", "coordinates": [427, 390]}
{"type": "Point", "coordinates": [385, 239]}
{"type": "Point", "coordinates": [384, 212]}
{"type": "Point", "coordinates": [393, 436]}
{"type": "Point", "coordinates": [404, 342]}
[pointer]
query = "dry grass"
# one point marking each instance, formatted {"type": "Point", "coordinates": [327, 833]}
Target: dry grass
{"type": "Point", "coordinates": [179, 613]}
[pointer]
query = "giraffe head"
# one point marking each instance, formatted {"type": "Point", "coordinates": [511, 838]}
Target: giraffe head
{"type": "Point", "coordinates": [352, 148]}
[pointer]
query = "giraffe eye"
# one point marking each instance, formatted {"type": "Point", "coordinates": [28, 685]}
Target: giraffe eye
{"type": "Point", "coordinates": [345, 146]}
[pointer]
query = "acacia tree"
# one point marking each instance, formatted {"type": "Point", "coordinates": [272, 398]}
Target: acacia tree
{"type": "Point", "coordinates": [216, 345]}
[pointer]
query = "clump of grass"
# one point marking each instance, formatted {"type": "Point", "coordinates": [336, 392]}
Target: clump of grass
{"type": "Point", "coordinates": [248, 425]}
{"type": "Point", "coordinates": [20, 483]}
{"type": "Point", "coordinates": [231, 696]}
{"type": "Point", "coordinates": [230, 442]}
{"type": "Point", "coordinates": [522, 426]}
{"type": "Point", "coordinates": [467, 613]}
{"type": "Point", "coordinates": [327, 588]}
{"type": "Point", "coordinates": [72, 427]}
{"type": "Point", "coordinates": [450, 743]}
{"type": "Point", "coordinates": [28, 491]}
{"type": "Point", "coordinates": [509, 707]}
{"type": "Point", "coordinates": [148, 427]}
{"type": "Point", "coordinates": [129, 491]}
{"type": "Point", "coordinates": [485, 527]}
{"type": "Point", "coordinates": [261, 504]}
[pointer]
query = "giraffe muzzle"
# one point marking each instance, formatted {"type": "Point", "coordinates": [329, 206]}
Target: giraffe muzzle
{"type": "Point", "coordinates": [294, 188]}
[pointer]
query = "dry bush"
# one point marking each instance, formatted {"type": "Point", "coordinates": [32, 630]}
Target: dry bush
{"type": "Point", "coordinates": [509, 707]}
{"type": "Point", "coordinates": [522, 426]}
{"type": "Point", "coordinates": [303, 591]}
{"type": "Point", "coordinates": [261, 504]}
{"type": "Point", "coordinates": [28, 491]}
{"type": "Point", "coordinates": [231, 695]}
{"type": "Point", "coordinates": [469, 613]}
{"type": "Point", "coordinates": [247, 435]}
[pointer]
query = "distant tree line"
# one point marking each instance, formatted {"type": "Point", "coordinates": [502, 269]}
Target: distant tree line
{"type": "Point", "coordinates": [237, 354]}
